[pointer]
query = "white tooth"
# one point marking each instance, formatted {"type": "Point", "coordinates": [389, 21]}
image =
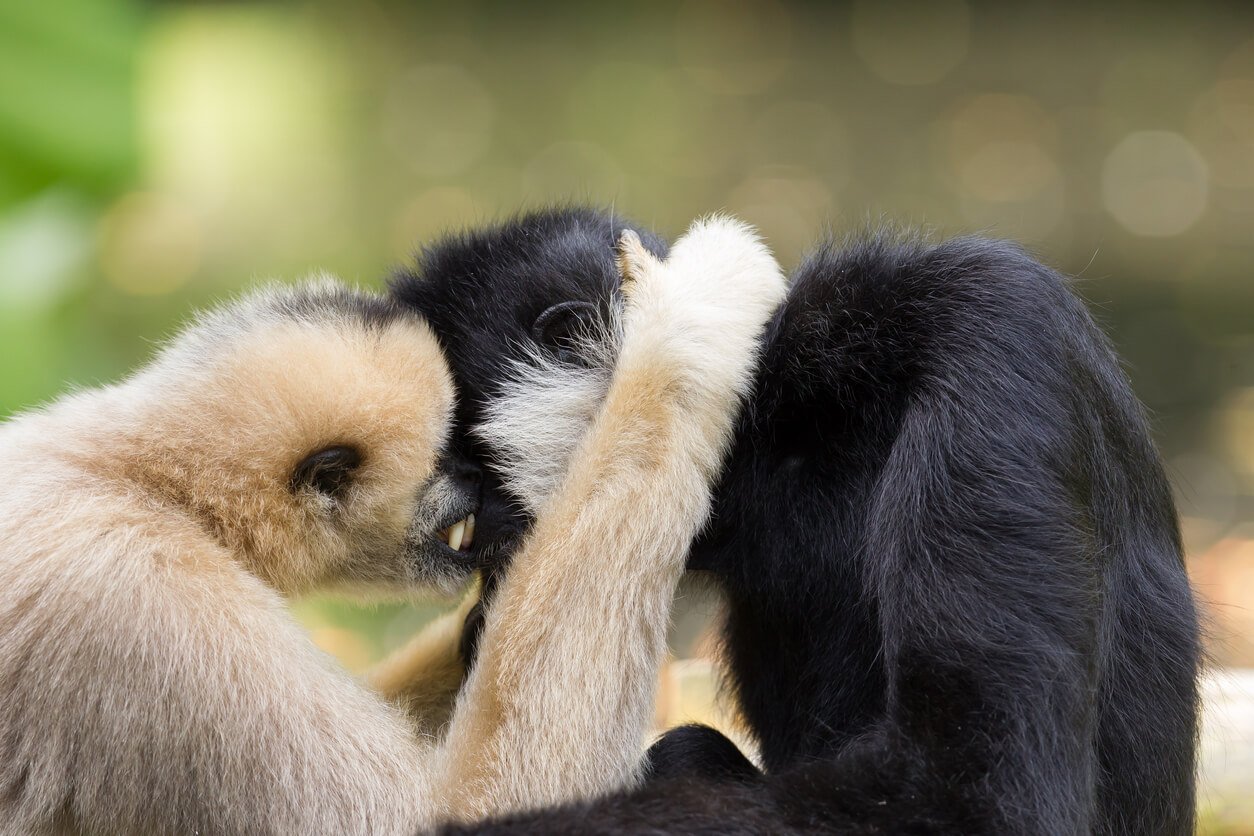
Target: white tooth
{"type": "Point", "coordinates": [470, 529]}
{"type": "Point", "coordinates": [455, 535]}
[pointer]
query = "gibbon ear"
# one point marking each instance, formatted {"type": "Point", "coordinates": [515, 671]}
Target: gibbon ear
{"type": "Point", "coordinates": [328, 471]}
{"type": "Point", "coordinates": [559, 328]}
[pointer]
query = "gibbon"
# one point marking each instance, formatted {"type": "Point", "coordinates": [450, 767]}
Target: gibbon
{"type": "Point", "coordinates": [151, 677]}
{"type": "Point", "coordinates": [956, 601]}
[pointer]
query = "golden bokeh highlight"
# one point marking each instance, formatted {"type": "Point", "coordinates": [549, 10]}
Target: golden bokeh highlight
{"type": "Point", "coordinates": [777, 199]}
{"type": "Point", "coordinates": [149, 244]}
{"type": "Point", "coordinates": [242, 120]}
{"type": "Point", "coordinates": [1000, 152]}
{"type": "Point", "coordinates": [1155, 183]}
{"type": "Point", "coordinates": [1002, 147]}
{"type": "Point", "coordinates": [347, 646]}
{"type": "Point", "coordinates": [689, 692]}
{"type": "Point", "coordinates": [1237, 421]}
{"type": "Point", "coordinates": [1007, 171]}
{"type": "Point", "coordinates": [1223, 124]}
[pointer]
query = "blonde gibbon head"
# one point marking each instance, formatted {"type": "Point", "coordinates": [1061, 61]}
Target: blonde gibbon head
{"type": "Point", "coordinates": [306, 429]}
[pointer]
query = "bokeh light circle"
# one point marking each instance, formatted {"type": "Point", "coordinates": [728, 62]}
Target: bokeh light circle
{"type": "Point", "coordinates": [150, 244]}
{"type": "Point", "coordinates": [1155, 183]}
{"type": "Point", "coordinates": [1223, 124]}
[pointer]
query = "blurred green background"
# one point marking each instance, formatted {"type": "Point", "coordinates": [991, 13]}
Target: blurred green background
{"type": "Point", "coordinates": [154, 157]}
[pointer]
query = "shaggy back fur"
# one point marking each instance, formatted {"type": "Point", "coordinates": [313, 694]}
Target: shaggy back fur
{"type": "Point", "coordinates": [956, 595]}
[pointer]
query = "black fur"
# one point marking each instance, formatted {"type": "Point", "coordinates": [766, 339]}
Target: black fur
{"type": "Point", "coordinates": [957, 602]}
{"type": "Point", "coordinates": [483, 291]}
{"type": "Point", "coordinates": [320, 304]}
{"type": "Point", "coordinates": [696, 750]}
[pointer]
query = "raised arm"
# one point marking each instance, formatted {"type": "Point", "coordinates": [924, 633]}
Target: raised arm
{"type": "Point", "coordinates": [559, 700]}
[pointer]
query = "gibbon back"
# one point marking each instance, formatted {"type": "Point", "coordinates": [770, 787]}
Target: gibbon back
{"type": "Point", "coordinates": [956, 598]}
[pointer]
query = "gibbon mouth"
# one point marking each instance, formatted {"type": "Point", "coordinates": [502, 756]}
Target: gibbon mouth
{"type": "Point", "coordinates": [454, 536]}
{"type": "Point", "coordinates": [478, 531]}
{"type": "Point", "coordinates": [459, 536]}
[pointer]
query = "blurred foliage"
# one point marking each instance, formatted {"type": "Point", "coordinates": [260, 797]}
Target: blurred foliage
{"type": "Point", "coordinates": [154, 157]}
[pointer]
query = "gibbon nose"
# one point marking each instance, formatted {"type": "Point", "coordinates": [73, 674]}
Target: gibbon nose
{"type": "Point", "coordinates": [464, 474]}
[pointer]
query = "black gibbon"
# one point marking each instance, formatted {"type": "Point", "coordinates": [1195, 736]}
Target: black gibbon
{"type": "Point", "coordinates": [956, 601]}
{"type": "Point", "coordinates": [152, 679]}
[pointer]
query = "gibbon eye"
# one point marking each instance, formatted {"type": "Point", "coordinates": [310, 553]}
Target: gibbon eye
{"type": "Point", "coordinates": [559, 328]}
{"type": "Point", "coordinates": [328, 471]}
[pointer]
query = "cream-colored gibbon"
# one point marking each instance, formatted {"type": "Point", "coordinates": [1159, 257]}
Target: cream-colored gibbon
{"type": "Point", "coordinates": [152, 679]}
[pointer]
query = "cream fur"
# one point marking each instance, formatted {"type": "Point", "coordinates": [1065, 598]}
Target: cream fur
{"type": "Point", "coordinates": [615, 533]}
{"type": "Point", "coordinates": [151, 677]}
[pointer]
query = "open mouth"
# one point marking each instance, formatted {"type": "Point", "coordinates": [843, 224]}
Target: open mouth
{"type": "Point", "coordinates": [459, 536]}
{"type": "Point", "coordinates": [480, 531]}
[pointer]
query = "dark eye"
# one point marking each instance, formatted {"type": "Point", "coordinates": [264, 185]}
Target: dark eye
{"type": "Point", "coordinates": [328, 471]}
{"type": "Point", "coordinates": [559, 328]}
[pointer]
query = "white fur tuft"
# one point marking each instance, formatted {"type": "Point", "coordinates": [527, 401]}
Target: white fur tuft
{"type": "Point", "coordinates": [543, 410]}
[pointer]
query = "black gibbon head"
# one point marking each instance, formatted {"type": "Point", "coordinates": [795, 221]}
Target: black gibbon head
{"type": "Point", "coordinates": [309, 429]}
{"type": "Point", "coordinates": [526, 313]}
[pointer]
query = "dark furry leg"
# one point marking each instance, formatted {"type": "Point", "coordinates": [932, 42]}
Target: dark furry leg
{"type": "Point", "coordinates": [696, 750]}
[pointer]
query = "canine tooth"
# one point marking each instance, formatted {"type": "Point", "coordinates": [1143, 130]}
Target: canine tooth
{"type": "Point", "coordinates": [455, 535]}
{"type": "Point", "coordinates": [470, 530]}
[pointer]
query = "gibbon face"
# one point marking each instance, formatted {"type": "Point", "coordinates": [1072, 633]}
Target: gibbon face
{"type": "Point", "coordinates": [526, 314]}
{"type": "Point", "coordinates": [316, 421]}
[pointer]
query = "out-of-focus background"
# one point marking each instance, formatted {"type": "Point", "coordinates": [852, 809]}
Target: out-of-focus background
{"type": "Point", "coordinates": [154, 157]}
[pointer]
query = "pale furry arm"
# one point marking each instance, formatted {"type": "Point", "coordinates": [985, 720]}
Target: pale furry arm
{"type": "Point", "coordinates": [559, 700]}
{"type": "Point", "coordinates": [423, 677]}
{"type": "Point", "coordinates": [150, 683]}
